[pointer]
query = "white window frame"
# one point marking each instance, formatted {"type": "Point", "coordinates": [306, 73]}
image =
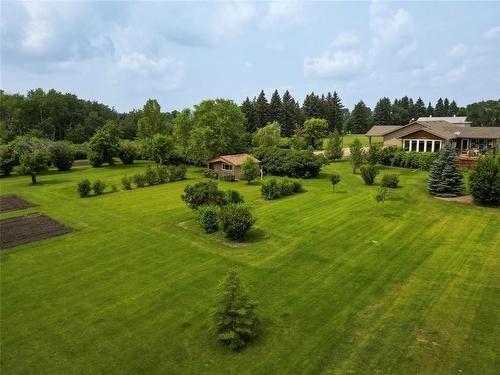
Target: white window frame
{"type": "Point", "coordinates": [434, 141]}
{"type": "Point", "coordinates": [227, 167]}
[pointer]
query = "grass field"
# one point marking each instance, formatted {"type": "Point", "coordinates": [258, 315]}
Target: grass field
{"type": "Point", "coordinates": [343, 288]}
{"type": "Point", "coordinates": [349, 138]}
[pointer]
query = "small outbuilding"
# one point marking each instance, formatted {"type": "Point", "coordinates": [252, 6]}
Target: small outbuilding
{"type": "Point", "coordinates": [230, 164]}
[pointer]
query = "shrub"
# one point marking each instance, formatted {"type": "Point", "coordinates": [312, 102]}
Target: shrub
{"type": "Point", "coordinates": [139, 180]}
{"type": "Point", "coordinates": [485, 181]}
{"type": "Point", "coordinates": [445, 178]}
{"type": "Point", "coordinates": [390, 181]}
{"type": "Point", "coordinates": [334, 179]}
{"type": "Point", "coordinates": [114, 189]}
{"type": "Point", "coordinates": [398, 157]}
{"type": "Point", "coordinates": [84, 187]}
{"type": "Point", "coordinates": [211, 174]}
{"type": "Point", "coordinates": [208, 217]}
{"type": "Point", "coordinates": [368, 172]}
{"type": "Point", "coordinates": [127, 152]}
{"type": "Point", "coordinates": [315, 129]}
{"type": "Point", "coordinates": [7, 159]}
{"type": "Point", "coordinates": [297, 186]}
{"type": "Point", "coordinates": [357, 155]}
{"type": "Point", "coordinates": [289, 162]}
{"type": "Point", "coordinates": [270, 190]}
{"type": "Point", "coordinates": [286, 186]}
{"type": "Point", "coordinates": [234, 197]}
{"type": "Point", "coordinates": [62, 155]}
{"type": "Point", "coordinates": [226, 177]}
{"type": "Point", "coordinates": [234, 318]}
{"type": "Point", "coordinates": [285, 142]}
{"type": "Point", "coordinates": [127, 183]}
{"type": "Point", "coordinates": [176, 172]}
{"type": "Point", "coordinates": [249, 170]}
{"type": "Point", "coordinates": [104, 145]}
{"type": "Point", "coordinates": [162, 173]}
{"type": "Point", "coordinates": [98, 186]}
{"type": "Point", "coordinates": [150, 176]}
{"type": "Point", "coordinates": [235, 220]}
{"type": "Point", "coordinates": [95, 159]}
{"type": "Point", "coordinates": [203, 194]}
{"type": "Point", "coordinates": [80, 151]}
{"type": "Point", "coordinates": [334, 147]}
{"type": "Point", "coordinates": [373, 154]}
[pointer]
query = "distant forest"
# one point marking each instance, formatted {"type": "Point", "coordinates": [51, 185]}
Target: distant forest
{"type": "Point", "coordinates": [59, 116]}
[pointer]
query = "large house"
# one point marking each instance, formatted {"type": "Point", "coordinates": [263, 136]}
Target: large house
{"type": "Point", "coordinates": [429, 134]}
{"type": "Point", "coordinates": [229, 164]}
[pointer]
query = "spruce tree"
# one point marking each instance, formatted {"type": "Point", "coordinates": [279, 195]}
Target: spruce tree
{"type": "Point", "coordinates": [288, 119]}
{"type": "Point", "coordinates": [275, 107]}
{"type": "Point", "coordinates": [420, 110]}
{"type": "Point", "coordinates": [445, 178]}
{"type": "Point", "coordinates": [446, 107]}
{"type": "Point", "coordinates": [453, 108]}
{"type": "Point", "coordinates": [234, 316]}
{"type": "Point", "coordinates": [248, 108]}
{"type": "Point", "coordinates": [439, 109]}
{"type": "Point", "coordinates": [382, 112]}
{"type": "Point", "coordinates": [337, 107]}
{"type": "Point", "coordinates": [312, 106]}
{"type": "Point", "coordinates": [361, 118]}
{"type": "Point", "coordinates": [261, 110]}
{"type": "Point", "coordinates": [430, 110]}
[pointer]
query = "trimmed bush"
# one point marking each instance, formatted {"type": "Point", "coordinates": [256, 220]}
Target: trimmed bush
{"type": "Point", "coordinates": [249, 170]}
{"type": "Point", "coordinates": [390, 181]}
{"type": "Point", "coordinates": [114, 189]}
{"type": "Point", "coordinates": [139, 180]}
{"type": "Point", "coordinates": [289, 162]}
{"type": "Point", "coordinates": [270, 189]}
{"type": "Point", "coordinates": [127, 152]}
{"type": "Point", "coordinates": [127, 183]}
{"type": "Point", "coordinates": [80, 151]}
{"type": "Point", "coordinates": [234, 197]}
{"type": "Point", "coordinates": [203, 194]}
{"type": "Point", "coordinates": [398, 157]}
{"type": "Point", "coordinates": [235, 220]}
{"type": "Point", "coordinates": [95, 159]}
{"type": "Point", "coordinates": [286, 186]}
{"type": "Point", "coordinates": [208, 218]}
{"type": "Point", "coordinates": [485, 181]}
{"type": "Point", "coordinates": [162, 174]}
{"type": "Point", "coordinates": [62, 155]}
{"type": "Point", "coordinates": [368, 172]}
{"type": "Point", "coordinates": [211, 174]}
{"type": "Point", "coordinates": [98, 186]}
{"type": "Point", "coordinates": [226, 177]}
{"type": "Point", "coordinates": [150, 176]}
{"type": "Point", "coordinates": [176, 172]}
{"type": "Point", "coordinates": [84, 188]}
{"type": "Point", "coordinates": [334, 179]}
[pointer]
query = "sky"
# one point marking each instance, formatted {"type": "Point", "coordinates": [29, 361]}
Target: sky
{"type": "Point", "coordinates": [123, 53]}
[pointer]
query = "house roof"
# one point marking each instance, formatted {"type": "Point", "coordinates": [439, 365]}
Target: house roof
{"type": "Point", "coordinates": [379, 130]}
{"type": "Point", "coordinates": [235, 159]}
{"type": "Point", "coordinates": [452, 119]}
{"type": "Point", "coordinates": [489, 132]}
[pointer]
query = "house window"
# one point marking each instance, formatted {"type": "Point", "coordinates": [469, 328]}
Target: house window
{"type": "Point", "coordinates": [421, 146]}
{"type": "Point", "coordinates": [428, 146]}
{"type": "Point", "coordinates": [407, 145]}
{"type": "Point", "coordinates": [227, 167]}
{"type": "Point", "coordinates": [437, 146]}
{"type": "Point", "coordinates": [413, 145]}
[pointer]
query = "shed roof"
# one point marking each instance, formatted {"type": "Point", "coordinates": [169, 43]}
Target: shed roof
{"type": "Point", "coordinates": [234, 159]}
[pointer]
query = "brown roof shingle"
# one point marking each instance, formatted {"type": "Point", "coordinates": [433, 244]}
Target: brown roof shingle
{"type": "Point", "coordinates": [235, 159]}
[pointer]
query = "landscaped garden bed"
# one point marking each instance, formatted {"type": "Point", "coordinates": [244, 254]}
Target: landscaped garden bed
{"type": "Point", "coordinates": [13, 203]}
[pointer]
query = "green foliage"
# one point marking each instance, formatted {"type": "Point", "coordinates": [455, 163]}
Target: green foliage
{"type": "Point", "coordinates": [208, 218]}
{"type": "Point", "coordinates": [127, 183]}
{"type": "Point", "coordinates": [150, 176]}
{"type": "Point", "coordinates": [445, 178]}
{"type": "Point", "coordinates": [381, 195]}
{"type": "Point", "coordinates": [235, 220]}
{"type": "Point", "coordinates": [152, 121]}
{"type": "Point", "coordinates": [397, 157]}
{"type": "Point", "coordinates": [104, 145]}
{"type": "Point", "coordinates": [98, 187]}
{"type": "Point", "coordinates": [234, 317]}
{"type": "Point", "coordinates": [285, 142]}
{"type": "Point", "coordinates": [373, 154]}
{"type": "Point", "coordinates": [484, 113]}
{"type": "Point", "coordinates": [298, 142]}
{"type": "Point", "coordinates": [334, 147]}
{"type": "Point", "coordinates": [62, 155]}
{"type": "Point", "coordinates": [291, 163]}
{"type": "Point", "coordinates": [234, 197]}
{"type": "Point", "coordinates": [360, 120]}
{"type": "Point", "coordinates": [199, 149]}
{"type": "Point", "coordinates": [270, 189]}
{"type": "Point", "coordinates": [357, 155]}
{"type": "Point", "coordinates": [80, 151]}
{"type": "Point", "coordinates": [288, 186]}
{"type": "Point", "coordinates": [176, 172]}
{"type": "Point", "coordinates": [368, 172]}
{"type": "Point", "coordinates": [127, 152]}
{"type": "Point", "coordinates": [203, 194]}
{"type": "Point", "coordinates": [228, 177]}
{"type": "Point", "coordinates": [84, 188]}
{"type": "Point", "coordinates": [182, 126]}
{"type": "Point", "coordinates": [334, 179]}
{"type": "Point", "coordinates": [249, 170]}
{"type": "Point", "coordinates": [390, 181]}
{"type": "Point", "coordinates": [159, 148]}
{"type": "Point", "coordinates": [211, 174]}
{"type": "Point", "coordinates": [32, 163]}
{"type": "Point", "coordinates": [269, 135]}
{"type": "Point", "coordinates": [315, 129]}
{"type": "Point", "coordinates": [274, 189]}
{"type": "Point", "coordinates": [139, 180]}
{"type": "Point", "coordinates": [7, 159]}
{"type": "Point", "coordinates": [484, 181]}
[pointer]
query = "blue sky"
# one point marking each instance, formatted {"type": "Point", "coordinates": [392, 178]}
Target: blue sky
{"type": "Point", "coordinates": [122, 53]}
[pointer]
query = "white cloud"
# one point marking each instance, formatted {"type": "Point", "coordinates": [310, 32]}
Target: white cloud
{"type": "Point", "coordinates": [492, 33]}
{"type": "Point", "coordinates": [230, 17]}
{"type": "Point", "coordinates": [345, 40]}
{"type": "Point", "coordinates": [283, 14]}
{"type": "Point", "coordinates": [457, 51]}
{"type": "Point", "coordinates": [339, 64]}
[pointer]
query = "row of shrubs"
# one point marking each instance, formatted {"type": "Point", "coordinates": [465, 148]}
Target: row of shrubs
{"type": "Point", "coordinates": [155, 176]}
{"type": "Point", "coordinates": [276, 188]}
{"type": "Point", "coordinates": [219, 176]}
{"type": "Point", "coordinates": [369, 172]}
{"type": "Point", "coordinates": [85, 187]}
{"type": "Point", "coordinates": [398, 157]}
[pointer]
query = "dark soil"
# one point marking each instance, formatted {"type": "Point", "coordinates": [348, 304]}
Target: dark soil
{"type": "Point", "coordinates": [25, 229]}
{"type": "Point", "coordinates": [13, 203]}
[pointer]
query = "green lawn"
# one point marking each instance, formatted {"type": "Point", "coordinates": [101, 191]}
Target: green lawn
{"type": "Point", "coordinates": [349, 138]}
{"type": "Point", "coordinates": [411, 288]}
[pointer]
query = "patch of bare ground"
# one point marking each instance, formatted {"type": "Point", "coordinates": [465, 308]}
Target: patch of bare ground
{"type": "Point", "coordinates": [467, 199]}
{"type": "Point", "coordinates": [13, 203]}
{"type": "Point", "coordinates": [25, 229]}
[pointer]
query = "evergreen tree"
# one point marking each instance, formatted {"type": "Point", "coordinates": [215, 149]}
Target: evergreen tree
{"type": "Point", "coordinates": [261, 110]}
{"type": "Point", "coordinates": [411, 110]}
{"type": "Point", "coordinates": [312, 106]}
{"type": "Point", "coordinates": [360, 119]}
{"type": "Point", "coordinates": [288, 119]}
{"type": "Point", "coordinates": [382, 112]}
{"type": "Point", "coordinates": [334, 146]}
{"type": "Point", "coordinates": [445, 178]}
{"type": "Point", "coordinates": [430, 110]}
{"type": "Point", "coordinates": [248, 108]}
{"type": "Point", "coordinates": [420, 110]}
{"type": "Point", "coordinates": [234, 316]}
{"type": "Point", "coordinates": [275, 107]}
{"type": "Point", "coordinates": [453, 108]}
{"type": "Point", "coordinates": [333, 112]}
{"type": "Point", "coordinates": [446, 107]}
{"type": "Point", "coordinates": [439, 109]}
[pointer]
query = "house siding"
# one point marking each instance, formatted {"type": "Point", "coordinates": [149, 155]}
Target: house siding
{"type": "Point", "coordinates": [217, 167]}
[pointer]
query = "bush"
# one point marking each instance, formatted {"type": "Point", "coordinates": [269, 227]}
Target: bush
{"type": "Point", "coordinates": [80, 151]}
{"type": "Point", "coordinates": [334, 179]}
{"type": "Point", "coordinates": [373, 154]}
{"type": "Point", "coordinates": [98, 186]}
{"type": "Point", "coordinates": [95, 159]}
{"type": "Point", "coordinates": [162, 173]}
{"type": "Point", "coordinates": [289, 162]}
{"type": "Point", "coordinates": [84, 187]}
{"type": "Point", "coordinates": [114, 189]}
{"type": "Point", "coordinates": [270, 189]}
{"type": "Point", "coordinates": [235, 220]}
{"type": "Point", "coordinates": [234, 318]}
{"type": "Point", "coordinates": [286, 186]}
{"type": "Point", "coordinates": [368, 172]}
{"type": "Point", "coordinates": [390, 181]}
{"type": "Point", "coordinates": [249, 170]}
{"type": "Point", "coordinates": [62, 155]}
{"type": "Point", "coordinates": [226, 177]}
{"type": "Point", "coordinates": [285, 142]}
{"type": "Point", "coordinates": [139, 180]}
{"type": "Point", "coordinates": [176, 172]}
{"type": "Point", "coordinates": [211, 174]}
{"type": "Point", "coordinates": [485, 181]}
{"type": "Point", "coordinates": [104, 145]}
{"type": "Point", "coordinates": [203, 194]}
{"type": "Point", "coordinates": [398, 157]}
{"type": "Point", "coordinates": [297, 186]}
{"type": "Point", "coordinates": [234, 197]}
{"type": "Point", "coordinates": [208, 217]}
{"type": "Point", "coordinates": [127, 183]}
{"type": "Point", "coordinates": [7, 159]}
{"type": "Point", "coordinates": [150, 176]}
{"type": "Point", "coordinates": [127, 152]}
